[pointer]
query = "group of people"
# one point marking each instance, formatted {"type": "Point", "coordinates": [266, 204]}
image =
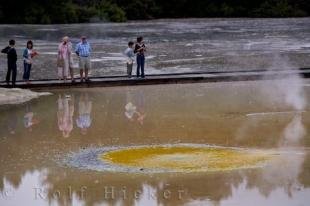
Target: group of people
{"type": "Point", "coordinates": [28, 55]}
{"type": "Point", "coordinates": [135, 51]}
{"type": "Point", "coordinates": [65, 59]}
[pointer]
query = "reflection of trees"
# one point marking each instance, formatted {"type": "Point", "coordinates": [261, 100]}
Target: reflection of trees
{"type": "Point", "coordinates": [304, 176]}
{"type": "Point", "coordinates": [95, 184]}
{"type": "Point", "coordinates": [2, 182]}
{"type": "Point", "coordinates": [213, 186]}
{"type": "Point", "coordinates": [21, 151]}
{"type": "Point", "coordinates": [280, 173]}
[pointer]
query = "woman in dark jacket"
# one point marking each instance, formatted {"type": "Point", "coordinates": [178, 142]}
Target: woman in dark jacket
{"type": "Point", "coordinates": [140, 49]}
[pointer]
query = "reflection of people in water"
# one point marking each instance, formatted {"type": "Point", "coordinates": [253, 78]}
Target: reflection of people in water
{"type": "Point", "coordinates": [12, 123]}
{"type": "Point", "coordinates": [29, 119]}
{"type": "Point", "coordinates": [130, 111]}
{"type": "Point", "coordinates": [84, 119]}
{"type": "Point", "coordinates": [135, 112]}
{"type": "Point", "coordinates": [65, 114]}
{"type": "Point", "coordinates": [141, 107]}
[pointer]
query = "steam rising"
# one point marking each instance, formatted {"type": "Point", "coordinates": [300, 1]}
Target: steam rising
{"type": "Point", "coordinates": [283, 96]}
{"type": "Point", "coordinates": [289, 90]}
{"type": "Point", "coordinates": [292, 92]}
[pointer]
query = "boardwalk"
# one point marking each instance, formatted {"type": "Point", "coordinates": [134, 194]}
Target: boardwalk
{"type": "Point", "coordinates": [176, 78]}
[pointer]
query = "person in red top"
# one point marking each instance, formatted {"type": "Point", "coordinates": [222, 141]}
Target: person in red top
{"type": "Point", "coordinates": [28, 54]}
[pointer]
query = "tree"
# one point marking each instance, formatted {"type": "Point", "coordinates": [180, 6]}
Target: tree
{"type": "Point", "coordinates": [72, 11]}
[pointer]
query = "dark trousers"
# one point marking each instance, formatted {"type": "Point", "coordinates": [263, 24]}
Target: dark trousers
{"type": "Point", "coordinates": [12, 68]}
{"type": "Point", "coordinates": [27, 69]}
{"type": "Point", "coordinates": [140, 65]}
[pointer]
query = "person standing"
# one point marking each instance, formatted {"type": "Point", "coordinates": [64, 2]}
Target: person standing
{"type": "Point", "coordinates": [64, 59]}
{"type": "Point", "coordinates": [83, 51]}
{"type": "Point", "coordinates": [129, 53]}
{"type": "Point", "coordinates": [12, 59]}
{"type": "Point", "coordinates": [140, 49]}
{"type": "Point", "coordinates": [28, 55]}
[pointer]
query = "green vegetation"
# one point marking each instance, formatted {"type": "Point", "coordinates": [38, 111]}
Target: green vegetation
{"type": "Point", "coordinates": [74, 11]}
